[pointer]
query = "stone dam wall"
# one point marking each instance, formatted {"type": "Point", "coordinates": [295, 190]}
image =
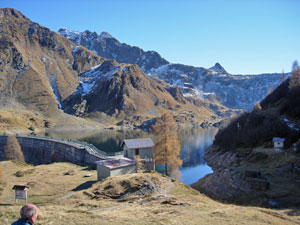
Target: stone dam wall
{"type": "Point", "coordinates": [43, 150]}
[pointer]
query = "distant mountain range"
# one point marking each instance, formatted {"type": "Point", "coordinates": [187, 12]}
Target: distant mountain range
{"type": "Point", "coordinates": [234, 91]}
{"type": "Point", "coordinates": [42, 71]}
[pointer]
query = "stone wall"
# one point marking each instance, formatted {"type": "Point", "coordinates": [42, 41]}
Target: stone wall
{"type": "Point", "coordinates": [144, 153]}
{"type": "Point", "coordinates": [38, 150]}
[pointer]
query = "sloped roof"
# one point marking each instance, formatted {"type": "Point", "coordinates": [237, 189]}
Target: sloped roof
{"type": "Point", "coordinates": [116, 163]}
{"type": "Point", "coordinates": [138, 143]}
{"type": "Point", "coordinates": [20, 187]}
{"type": "Point", "coordinates": [278, 139]}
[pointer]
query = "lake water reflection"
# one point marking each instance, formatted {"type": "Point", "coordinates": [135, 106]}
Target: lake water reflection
{"type": "Point", "coordinates": [193, 144]}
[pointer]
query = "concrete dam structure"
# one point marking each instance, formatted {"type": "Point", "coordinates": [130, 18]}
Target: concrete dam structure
{"type": "Point", "coordinates": [45, 150]}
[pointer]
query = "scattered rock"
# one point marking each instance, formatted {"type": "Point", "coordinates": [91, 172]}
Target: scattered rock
{"type": "Point", "coordinates": [69, 172]}
{"type": "Point", "coordinates": [31, 128]}
{"type": "Point", "coordinates": [20, 173]}
{"type": "Point", "coordinates": [173, 201]}
{"type": "Point", "coordinates": [87, 175]}
{"type": "Point", "coordinates": [46, 124]}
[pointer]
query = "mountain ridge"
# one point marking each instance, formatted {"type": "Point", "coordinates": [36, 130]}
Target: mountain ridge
{"type": "Point", "coordinates": [233, 91]}
{"type": "Point", "coordinates": [43, 71]}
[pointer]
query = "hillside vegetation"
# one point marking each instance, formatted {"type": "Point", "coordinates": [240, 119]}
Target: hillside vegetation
{"type": "Point", "coordinates": [267, 120]}
{"type": "Point", "coordinates": [64, 196]}
{"type": "Point", "coordinates": [248, 169]}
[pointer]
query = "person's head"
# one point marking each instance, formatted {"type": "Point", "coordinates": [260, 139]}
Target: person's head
{"type": "Point", "coordinates": [29, 212]}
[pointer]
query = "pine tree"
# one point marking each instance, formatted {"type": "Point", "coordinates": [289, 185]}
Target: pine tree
{"type": "Point", "coordinates": [167, 146]}
{"type": "Point", "coordinates": [12, 149]}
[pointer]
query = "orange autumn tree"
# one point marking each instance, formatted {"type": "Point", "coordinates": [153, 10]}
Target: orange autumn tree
{"type": "Point", "coordinates": [167, 145]}
{"type": "Point", "coordinates": [12, 149]}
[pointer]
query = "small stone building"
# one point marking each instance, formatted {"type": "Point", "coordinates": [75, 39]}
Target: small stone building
{"type": "Point", "coordinates": [115, 167]}
{"type": "Point", "coordinates": [141, 147]}
{"type": "Point", "coordinates": [278, 142]}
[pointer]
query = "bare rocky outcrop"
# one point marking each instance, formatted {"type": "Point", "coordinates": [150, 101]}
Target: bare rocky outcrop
{"type": "Point", "coordinates": [227, 183]}
{"type": "Point", "coordinates": [259, 176]}
{"type": "Point", "coordinates": [219, 159]}
{"type": "Point", "coordinates": [234, 91]}
{"type": "Point", "coordinates": [43, 71]}
{"type": "Point", "coordinates": [109, 47]}
{"type": "Point", "coordinates": [38, 67]}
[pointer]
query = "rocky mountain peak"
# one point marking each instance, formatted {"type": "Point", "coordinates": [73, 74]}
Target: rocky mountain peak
{"type": "Point", "coordinates": [105, 35]}
{"type": "Point", "coordinates": [218, 68]}
{"type": "Point", "coordinates": [9, 12]}
{"type": "Point", "coordinates": [234, 91]}
{"type": "Point", "coordinates": [105, 45]}
{"type": "Point", "coordinates": [68, 33]}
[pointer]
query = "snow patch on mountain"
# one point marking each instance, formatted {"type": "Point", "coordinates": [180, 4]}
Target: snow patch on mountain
{"type": "Point", "coordinates": [234, 91]}
{"type": "Point", "coordinates": [69, 34]}
{"type": "Point", "coordinates": [90, 78]}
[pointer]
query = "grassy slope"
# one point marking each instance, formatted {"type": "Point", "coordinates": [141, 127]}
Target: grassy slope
{"type": "Point", "coordinates": [184, 205]}
{"type": "Point", "coordinates": [18, 121]}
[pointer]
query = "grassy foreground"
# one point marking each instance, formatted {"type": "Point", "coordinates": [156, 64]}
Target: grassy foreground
{"type": "Point", "coordinates": [64, 195]}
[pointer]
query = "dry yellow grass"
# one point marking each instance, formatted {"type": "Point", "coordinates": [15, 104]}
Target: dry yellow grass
{"type": "Point", "coordinates": [14, 120]}
{"type": "Point", "coordinates": [19, 120]}
{"type": "Point", "coordinates": [175, 204]}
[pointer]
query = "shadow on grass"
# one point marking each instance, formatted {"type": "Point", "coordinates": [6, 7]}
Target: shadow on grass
{"type": "Point", "coordinates": [8, 204]}
{"type": "Point", "coordinates": [85, 185]}
{"type": "Point", "coordinates": [88, 166]}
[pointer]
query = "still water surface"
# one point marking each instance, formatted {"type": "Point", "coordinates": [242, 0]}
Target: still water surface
{"type": "Point", "coordinates": [193, 144]}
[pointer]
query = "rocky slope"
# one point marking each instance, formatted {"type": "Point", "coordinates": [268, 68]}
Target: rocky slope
{"type": "Point", "coordinates": [247, 168]}
{"type": "Point", "coordinates": [44, 72]}
{"type": "Point", "coordinates": [127, 92]}
{"type": "Point", "coordinates": [109, 47]}
{"type": "Point", "coordinates": [233, 91]}
{"type": "Point", "coordinates": [38, 67]}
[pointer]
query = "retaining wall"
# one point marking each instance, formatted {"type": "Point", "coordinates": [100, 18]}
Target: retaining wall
{"type": "Point", "coordinates": [38, 150]}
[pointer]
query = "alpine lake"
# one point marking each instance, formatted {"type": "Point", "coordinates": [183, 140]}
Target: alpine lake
{"type": "Point", "coordinates": [193, 144]}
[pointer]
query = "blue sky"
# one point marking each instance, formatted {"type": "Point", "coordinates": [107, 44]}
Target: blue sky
{"type": "Point", "coordinates": [244, 36]}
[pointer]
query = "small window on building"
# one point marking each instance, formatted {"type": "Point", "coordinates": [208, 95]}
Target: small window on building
{"type": "Point", "coordinates": [137, 151]}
